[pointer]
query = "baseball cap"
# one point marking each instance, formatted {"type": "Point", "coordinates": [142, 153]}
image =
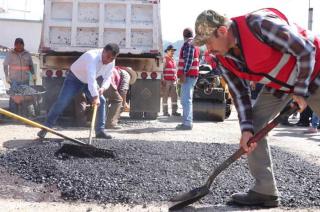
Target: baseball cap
{"type": "Point", "coordinates": [206, 23]}
{"type": "Point", "coordinates": [170, 47]}
{"type": "Point", "coordinates": [19, 40]}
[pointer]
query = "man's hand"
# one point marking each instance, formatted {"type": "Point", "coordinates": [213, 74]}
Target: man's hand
{"type": "Point", "coordinates": [101, 91]}
{"type": "Point", "coordinates": [301, 102]}
{"type": "Point", "coordinates": [182, 78]}
{"type": "Point", "coordinates": [245, 137]}
{"type": "Point", "coordinates": [253, 85]}
{"type": "Point", "coordinates": [8, 80]}
{"type": "Point", "coordinates": [96, 101]}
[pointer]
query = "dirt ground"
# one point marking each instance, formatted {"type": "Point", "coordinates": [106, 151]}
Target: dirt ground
{"type": "Point", "coordinates": [20, 195]}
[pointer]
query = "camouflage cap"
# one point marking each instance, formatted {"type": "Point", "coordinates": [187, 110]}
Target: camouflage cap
{"type": "Point", "coordinates": [207, 22]}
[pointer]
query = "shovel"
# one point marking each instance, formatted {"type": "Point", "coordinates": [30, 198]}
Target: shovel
{"type": "Point", "coordinates": [93, 121]}
{"type": "Point", "coordinates": [82, 149]}
{"type": "Point", "coordinates": [184, 199]}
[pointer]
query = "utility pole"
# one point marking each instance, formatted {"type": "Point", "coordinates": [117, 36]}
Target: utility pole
{"type": "Point", "coordinates": [310, 17]}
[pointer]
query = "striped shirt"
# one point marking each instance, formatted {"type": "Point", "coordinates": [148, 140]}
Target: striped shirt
{"type": "Point", "coordinates": [278, 34]}
{"type": "Point", "coordinates": [124, 82]}
{"type": "Point", "coordinates": [188, 53]}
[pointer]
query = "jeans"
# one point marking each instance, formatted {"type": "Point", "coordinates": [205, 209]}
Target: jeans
{"type": "Point", "coordinates": [70, 88]}
{"type": "Point", "coordinates": [314, 120]}
{"type": "Point", "coordinates": [186, 100]}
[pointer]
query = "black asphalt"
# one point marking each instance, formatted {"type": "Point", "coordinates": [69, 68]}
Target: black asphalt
{"type": "Point", "coordinates": [145, 171]}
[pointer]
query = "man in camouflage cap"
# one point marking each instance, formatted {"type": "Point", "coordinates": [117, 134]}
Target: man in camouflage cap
{"type": "Point", "coordinates": [262, 47]}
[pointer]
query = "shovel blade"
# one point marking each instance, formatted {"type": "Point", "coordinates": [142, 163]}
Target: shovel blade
{"type": "Point", "coordinates": [184, 199]}
{"type": "Point", "coordinates": [84, 151]}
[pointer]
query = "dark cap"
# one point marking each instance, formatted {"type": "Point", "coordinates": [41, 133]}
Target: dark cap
{"type": "Point", "coordinates": [18, 41]}
{"type": "Point", "coordinates": [170, 47]}
{"type": "Point", "coordinates": [188, 33]}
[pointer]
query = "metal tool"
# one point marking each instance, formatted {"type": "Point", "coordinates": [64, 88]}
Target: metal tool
{"type": "Point", "coordinates": [81, 149]}
{"type": "Point", "coordinates": [184, 199]}
{"type": "Point", "coordinates": [93, 121]}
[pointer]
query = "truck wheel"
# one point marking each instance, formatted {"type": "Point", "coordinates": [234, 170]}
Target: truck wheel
{"type": "Point", "coordinates": [136, 115]}
{"type": "Point", "coordinates": [211, 111]}
{"type": "Point", "coordinates": [150, 115]}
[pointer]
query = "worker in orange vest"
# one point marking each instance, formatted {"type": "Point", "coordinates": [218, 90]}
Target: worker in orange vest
{"type": "Point", "coordinates": [169, 82]}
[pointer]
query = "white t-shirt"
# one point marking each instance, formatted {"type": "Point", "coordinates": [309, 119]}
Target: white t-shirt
{"type": "Point", "coordinates": [88, 67]}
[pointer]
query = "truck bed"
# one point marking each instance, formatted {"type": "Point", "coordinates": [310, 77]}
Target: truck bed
{"type": "Point", "coordinates": [80, 25]}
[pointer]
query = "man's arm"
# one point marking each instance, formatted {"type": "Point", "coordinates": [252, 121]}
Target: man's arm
{"type": "Point", "coordinates": [92, 75]}
{"type": "Point", "coordinates": [286, 39]}
{"type": "Point", "coordinates": [240, 92]}
{"type": "Point", "coordinates": [107, 76]}
{"type": "Point", "coordinates": [31, 64]}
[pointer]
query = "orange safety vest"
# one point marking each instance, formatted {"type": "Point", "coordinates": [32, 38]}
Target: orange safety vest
{"type": "Point", "coordinates": [194, 69]}
{"type": "Point", "coordinates": [265, 64]}
{"type": "Point", "coordinates": [170, 69]}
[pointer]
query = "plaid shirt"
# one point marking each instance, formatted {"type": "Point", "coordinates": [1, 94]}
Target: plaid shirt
{"type": "Point", "coordinates": [283, 37]}
{"type": "Point", "coordinates": [188, 52]}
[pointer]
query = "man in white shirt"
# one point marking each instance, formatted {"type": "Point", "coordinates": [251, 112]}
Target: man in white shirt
{"type": "Point", "coordinates": [83, 76]}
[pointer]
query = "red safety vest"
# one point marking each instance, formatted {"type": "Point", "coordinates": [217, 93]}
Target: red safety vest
{"type": "Point", "coordinates": [194, 69]}
{"type": "Point", "coordinates": [170, 69]}
{"type": "Point", "coordinates": [265, 64]}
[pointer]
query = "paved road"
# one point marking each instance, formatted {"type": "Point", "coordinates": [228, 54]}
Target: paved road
{"type": "Point", "coordinates": [20, 195]}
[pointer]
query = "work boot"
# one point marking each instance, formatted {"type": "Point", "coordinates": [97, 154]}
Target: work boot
{"type": "Point", "coordinates": [176, 114]}
{"type": "Point", "coordinates": [183, 127]}
{"type": "Point", "coordinates": [253, 198]}
{"type": "Point", "coordinates": [42, 133]}
{"type": "Point", "coordinates": [104, 135]}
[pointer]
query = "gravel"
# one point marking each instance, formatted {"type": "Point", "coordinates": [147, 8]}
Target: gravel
{"type": "Point", "coordinates": [22, 90]}
{"type": "Point", "coordinates": [145, 172]}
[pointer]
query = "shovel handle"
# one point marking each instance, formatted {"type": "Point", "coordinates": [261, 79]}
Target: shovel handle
{"type": "Point", "coordinates": [287, 111]}
{"type": "Point", "coordinates": [93, 121]}
{"type": "Point", "coordinates": [35, 124]}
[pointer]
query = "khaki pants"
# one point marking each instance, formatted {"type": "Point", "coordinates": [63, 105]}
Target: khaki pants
{"type": "Point", "coordinates": [267, 107]}
{"type": "Point", "coordinates": [114, 102]}
{"type": "Point", "coordinates": [169, 90]}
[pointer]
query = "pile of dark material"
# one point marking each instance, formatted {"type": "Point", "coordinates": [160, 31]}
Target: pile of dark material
{"type": "Point", "coordinates": [145, 171]}
{"type": "Point", "coordinates": [22, 90]}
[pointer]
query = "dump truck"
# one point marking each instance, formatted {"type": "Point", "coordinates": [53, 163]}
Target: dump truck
{"type": "Point", "coordinates": [71, 27]}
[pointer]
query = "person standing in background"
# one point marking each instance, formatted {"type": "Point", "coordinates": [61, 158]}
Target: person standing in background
{"type": "Point", "coordinates": [188, 71]}
{"type": "Point", "coordinates": [18, 68]}
{"type": "Point", "coordinates": [169, 82]}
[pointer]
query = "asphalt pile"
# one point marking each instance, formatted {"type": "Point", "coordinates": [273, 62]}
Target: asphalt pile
{"type": "Point", "coordinates": [144, 172]}
{"type": "Point", "coordinates": [22, 90]}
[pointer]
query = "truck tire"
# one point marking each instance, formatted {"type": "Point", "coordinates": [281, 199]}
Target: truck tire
{"type": "Point", "coordinates": [136, 115]}
{"type": "Point", "coordinates": [150, 115]}
{"type": "Point", "coordinates": [211, 111]}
